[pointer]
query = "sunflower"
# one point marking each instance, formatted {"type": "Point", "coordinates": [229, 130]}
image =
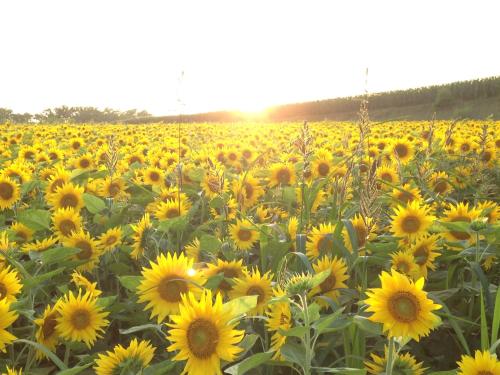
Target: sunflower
{"type": "Point", "coordinates": [244, 234]}
{"type": "Point", "coordinates": [402, 150]}
{"type": "Point", "coordinates": [460, 213]}
{"type": "Point", "coordinates": [320, 240]}
{"type": "Point", "coordinates": [133, 358]}
{"type": "Point", "coordinates": [363, 227]}
{"type": "Point", "coordinates": [247, 190]}
{"type": "Point", "coordinates": [90, 249]}
{"type": "Point", "coordinates": [386, 173]}
{"type": "Point", "coordinates": [84, 162]}
{"type": "Point", "coordinates": [203, 334]}
{"type": "Point", "coordinates": [10, 286]}
{"type": "Point", "coordinates": [335, 280]}
{"type": "Point", "coordinates": [213, 184]}
{"type": "Point", "coordinates": [67, 196]}
{"type": "Point", "coordinates": [439, 183]}
{"type": "Point", "coordinates": [279, 318]}
{"type": "Point", "coordinates": [80, 318]}
{"type": "Point", "coordinates": [193, 250]}
{"type": "Point", "coordinates": [163, 284]}
{"type": "Point", "coordinates": [22, 232]}
{"type": "Point", "coordinates": [141, 233]}
{"type": "Point", "coordinates": [40, 245]}
{"type": "Point", "coordinates": [404, 262]}
{"type": "Point", "coordinates": [111, 238]}
{"type": "Point", "coordinates": [170, 209]}
{"type": "Point", "coordinates": [230, 271]}
{"type": "Point", "coordinates": [227, 212]}
{"type": "Point", "coordinates": [322, 166]}
{"type": "Point", "coordinates": [253, 284]}
{"type": "Point", "coordinates": [57, 180]}
{"type": "Point", "coordinates": [424, 253]}
{"type": "Point", "coordinates": [113, 188]}
{"type": "Point", "coordinates": [6, 319]}
{"type": "Point", "coordinates": [153, 176]}
{"type": "Point", "coordinates": [403, 364]}
{"type": "Point", "coordinates": [282, 174]}
{"type": "Point", "coordinates": [411, 221]}
{"type": "Point", "coordinates": [406, 194]}
{"type": "Point", "coordinates": [483, 363]}
{"type": "Point", "coordinates": [46, 333]}
{"type": "Point", "coordinates": [402, 306]}
{"type": "Point", "coordinates": [66, 221]}
{"type": "Point", "coordinates": [10, 192]}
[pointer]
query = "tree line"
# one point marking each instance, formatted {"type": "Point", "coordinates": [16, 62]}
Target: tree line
{"type": "Point", "coordinates": [78, 115]}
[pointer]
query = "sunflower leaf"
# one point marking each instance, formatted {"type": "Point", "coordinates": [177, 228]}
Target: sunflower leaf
{"type": "Point", "coordinates": [241, 305]}
{"type": "Point", "coordinates": [249, 363]}
{"type": "Point", "coordinates": [93, 203]}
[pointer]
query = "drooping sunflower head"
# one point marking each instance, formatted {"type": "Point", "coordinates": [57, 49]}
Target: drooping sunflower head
{"type": "Point", "coordinates": [254, 284]}
{"type": "Point", "coordinates": [279, 318]}
{"type": "Point", "coordinates": [80, 318]}
{"type": "Point", "coordinates": [165, 282]}
{"type": "Point", "coordinates": [67, 196]}
{"type": "Point", "coordinates": [364, 228]}
{"type": "Point", "coordinates": [320, 240]}
{"type": "Point", "coordinates": [46, 333]}
{"type": "Point", "coordinates": [22, 233]}
{"type": "Point", "coordinates": [490, 210]}
{"type": "Point", "coordinates": [10, 192]}
{"type": "Point", "coordinates": [244, 234]}
{"type": "Point", "coordinates": [411, 221]}
{"type": "Point", "coordinates": [203, 334]}
{"type": "Point", "coordinates": [40, 245]}
{"type": "Point", "coordinates": [133, 358]}
{"type": "Point", "coordinates": [142, 231]}
{"type": "Point", "coordinates": [82, 282]}
{"type": "Point", "coordinates": [483, 363]}
{"type": "Point", "coordinates": [402, 306]}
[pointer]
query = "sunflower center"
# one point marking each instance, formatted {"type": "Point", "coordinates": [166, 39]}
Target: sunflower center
{"type": "Point", "coordinates": [113, 189]}
{"type": "Point", "coordinates": [328, 284]}
{"type": "Point", "coordinates": [440, 186]}
{"type": "Point", "coordinates": [244, 235]}
{"type": "Point", "coordinates": [172, 212]}
{"type": "Point", "coordinates": [283, 176]}
{"type": "Point", "coordinates": [386, 176]}
{"type": "Point", "coordinates": [171, 288]}
{"type": "Point", "coordinates": [111, 240]}
{"type": "Point", "coordinates": [486, 156]}
{"type": "Point", "coordinates": [406, 196]}
{"type": "Point", "coordinates": [401, 150]}
{"type": "Point", "coordinates": [465, 147]}
{"type": "Point", "coordinates": [256, 290]}
{"type": "Point", "coordinates": [485, 373]}
{"type": "Point", "coordinates": [404, 307]}
{"type": "Point", "coordinates": [49, 326]}
{"type": "Point", "coordinates": [202, 338]}
{"type": "Point", "coordinates": [248, 190]}
{"type": "Point", "coordinates": [84, 163]}
{"type": "Point", "coordinates": [410, 224]}
{"type": "Point", "coordinates": [134, 159]}
{"type": "Point", "coordinates": [213, 184]}
{"type": "Point", "coordinates": [86, 250]}
{"type": "Point", "coordinates": [80, 319]}
{"type": "Point", "coordinates": [325, 243]}
{"type": "Point", "coordinates": [461, 235]}
{"type": "Point", "coordinates": [154, 176]}
{"type": "Point", "coordinates": [56, 184]}
{"type": "Point", "coordinates": [403, 266]}
{"type": "Point", "coordinates": [229, 273]}
{"type": "Point", "coordinates": [421, 255]}
{"type": "Point", "coordinates": [22, 235]}
{"type": "Point", "coordinates": [323, 169]}
{"type": "Point", "coordinates": [6, 190]}
{"type": "Point", "coordinates": [69, 200]}
{"type": "Point", "coordinates": [67, 226]}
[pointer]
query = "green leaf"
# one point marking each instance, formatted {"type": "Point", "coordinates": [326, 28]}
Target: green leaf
{"type": "Point", "coordinates": [294, 353]}
{"type": "Point", "coordinates": [57, 254]}
{"type": "Point", "coordinates": [367, 325]}
{"type": "Point", "coordinates": [177, 224]}
{"type": "Point", "coordinates": [142, 327]}
{"type": "Point", "coordinates": [326, 321]}
{"type": "Point", "coordinates": [35, 219]}
{"type": "Point", "coordinates": [340, 370]}
{"type": "Point", "coordinates": [93, 203]}
{"type": "Point", "coordinates": [484, 325]}
{"type": "Point", "coordinates": [163, 367]}
{"type": "Point", "coordinates": [298, 331]}
{"type": "Point", "coordinates": [37, 280]}
{"type": "Point", "coordinates": [449, 372]}
{"type": "Point", "coordinates": [320, 277]}
{"type": "Point", "coordinates": [495, 324]}
{"type": "Point", "coordinates": [54, 358]}
{"type": "Point", "coordinates": [75, 370]}
{"type": "Point", "coordinates": [249, 363]}
{"type": "Point", "coordinates": [210, 243]}
{"type": "Point", "coordinates": [214, 281]}
{"type": "Point", "coordinates": [130, 282]}
{"type": "Point", "coordinates": [241, 305]}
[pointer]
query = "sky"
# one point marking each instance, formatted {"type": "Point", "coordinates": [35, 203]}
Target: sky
{"type": "Point", "coordinates": [170, 57]}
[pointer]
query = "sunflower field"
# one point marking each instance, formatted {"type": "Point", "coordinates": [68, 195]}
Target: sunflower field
{"type": "Point", "coordinates": [329, 247]}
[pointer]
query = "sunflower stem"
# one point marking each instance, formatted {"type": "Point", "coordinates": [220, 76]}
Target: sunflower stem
{"type": "Point", "coordinates": [307, 336]}
{"type": "Point", "coordinates": [390, 357]}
